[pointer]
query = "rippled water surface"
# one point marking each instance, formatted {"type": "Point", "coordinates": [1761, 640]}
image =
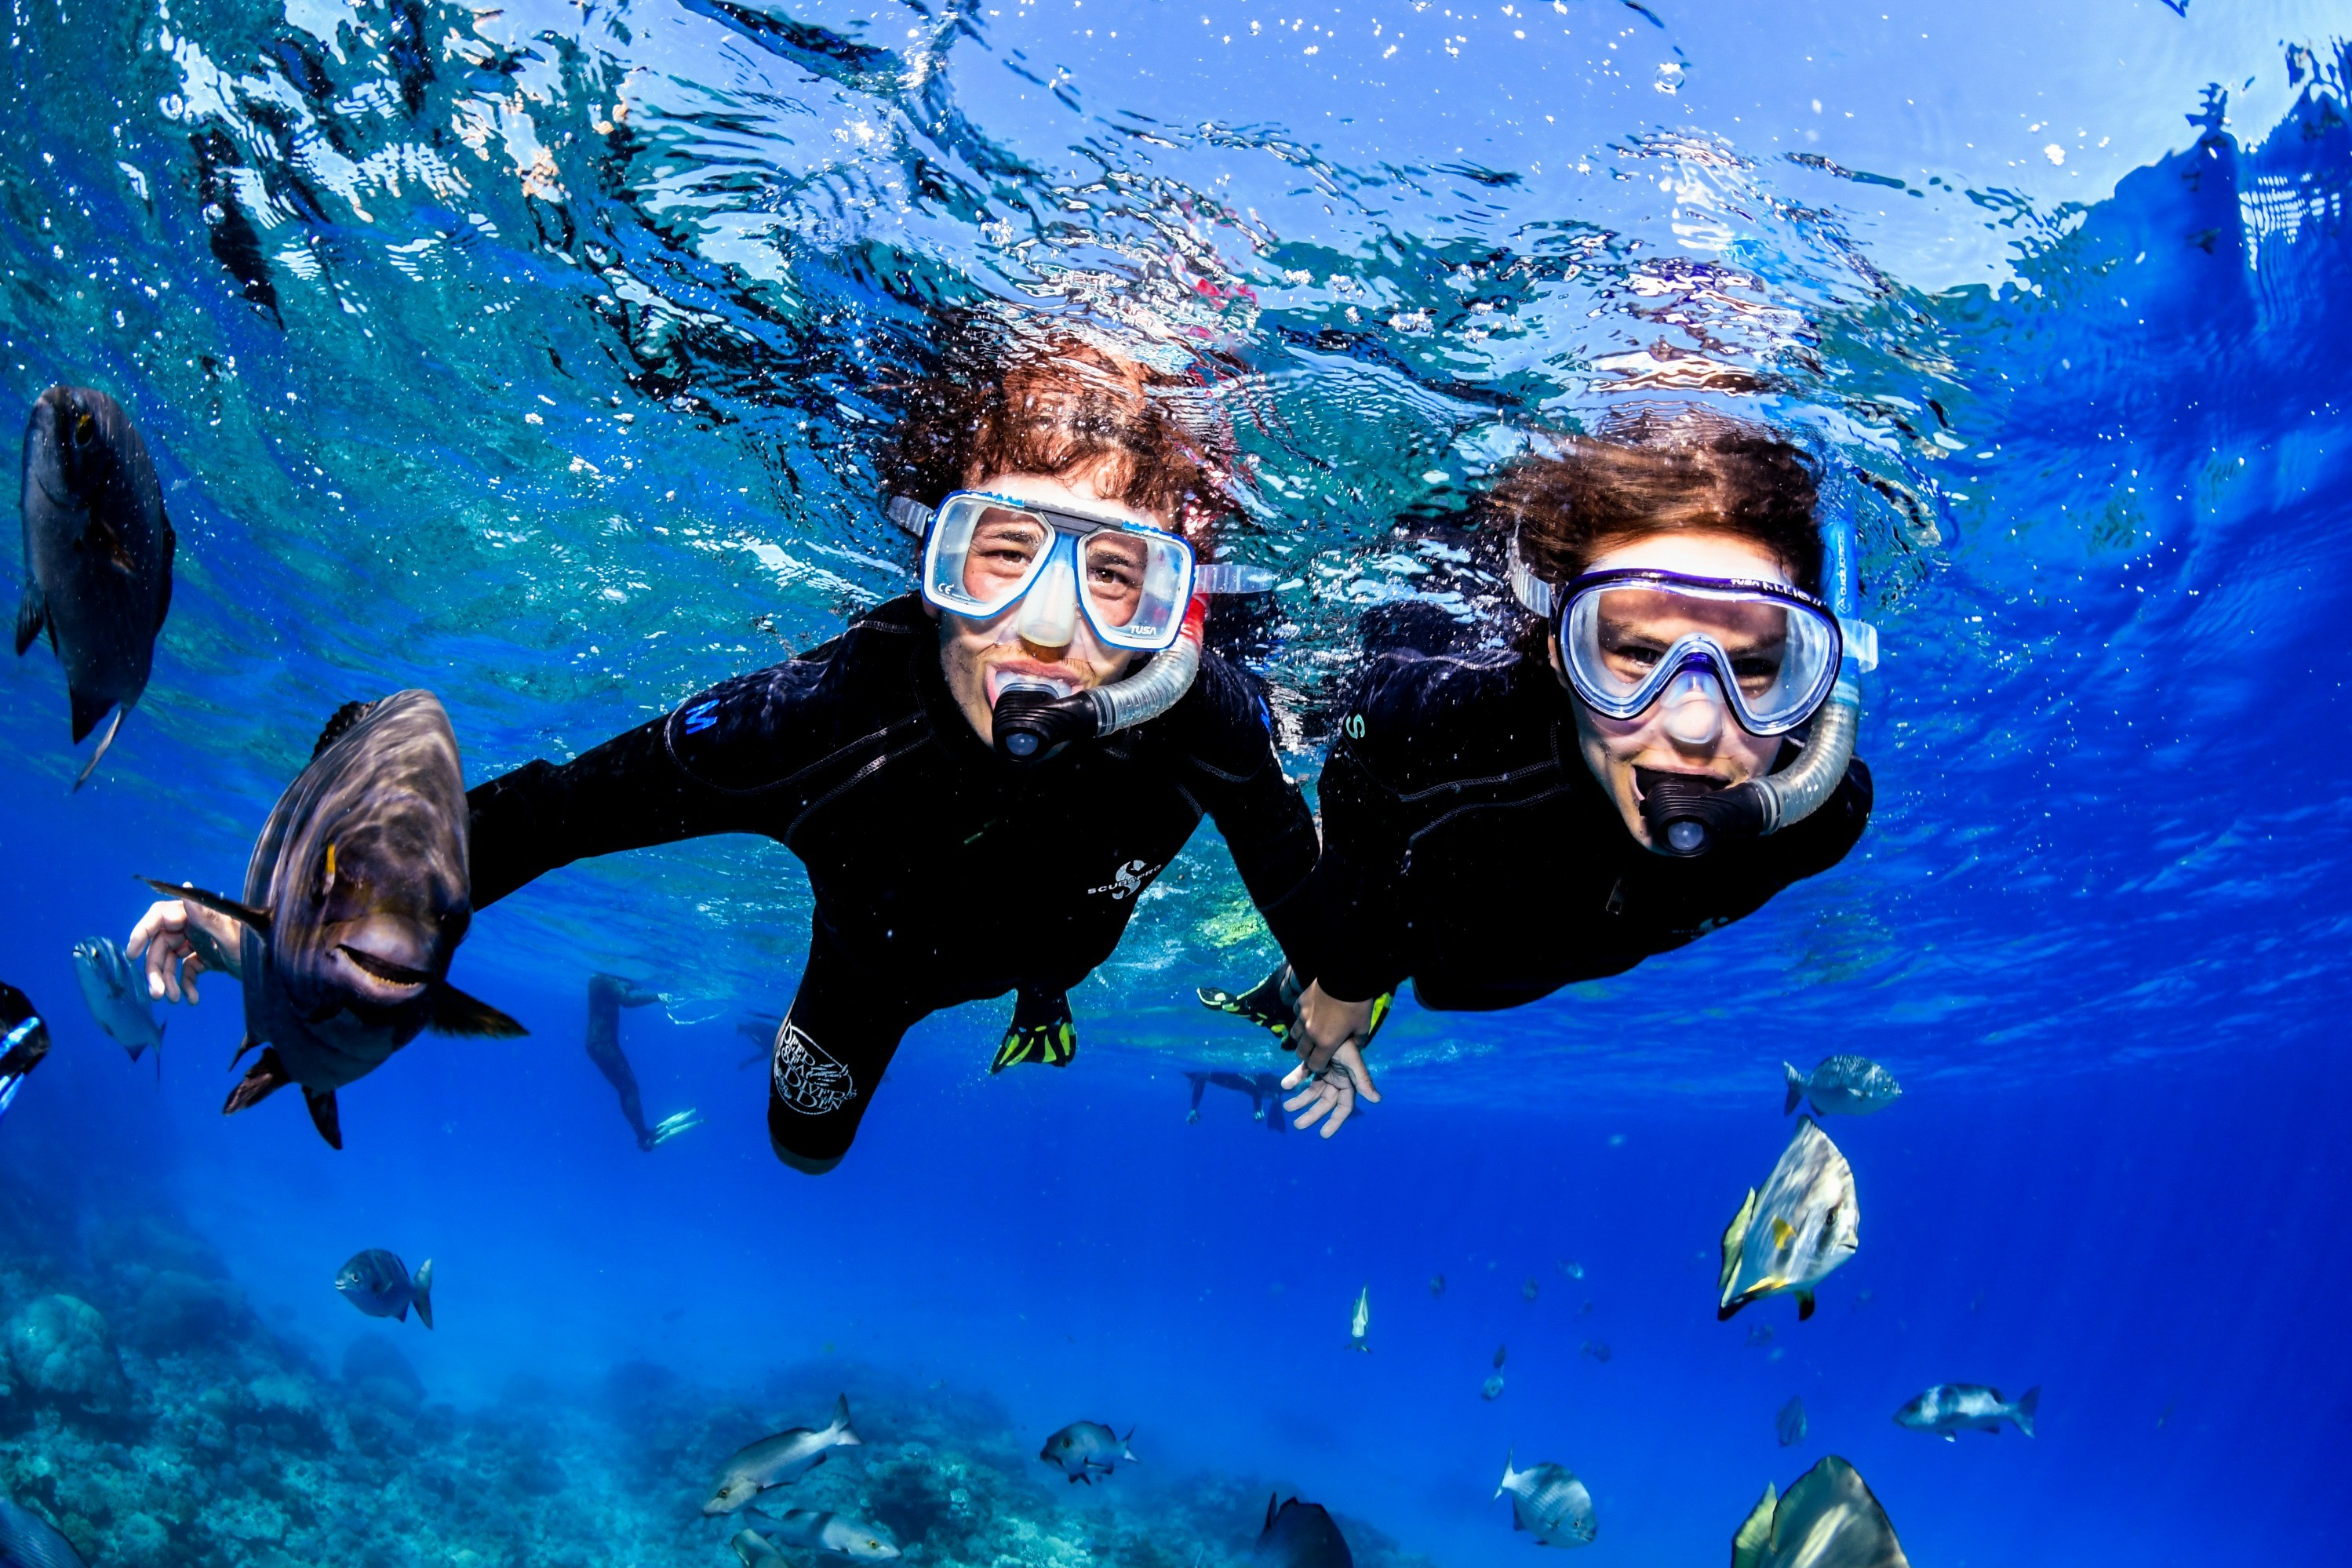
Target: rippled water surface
{"type": "Point", "coordinates": [542, 356]}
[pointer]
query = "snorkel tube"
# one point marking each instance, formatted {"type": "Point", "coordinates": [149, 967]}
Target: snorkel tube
{"type": "Point", "coordinates": [1687, 816]}
{"type": "Point", "coordinates": [1033, 723]}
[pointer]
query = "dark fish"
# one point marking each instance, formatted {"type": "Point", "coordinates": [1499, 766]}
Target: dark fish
{"type": "Point", "coordinates": [1301, 1535]}
{"type": "Point", "coordinates": [115, 991]}
{"type": "Point", "coordinates": [1598, 1350]}
{"type": "Point", "coordinates": [1083, 1448]}
{"type": "Point", "coordinates": [28, 1540]}
{"type": "Point", "coordinates": [1789, 1425]}
{"type": "Point", "coordinates": [24, 1041]}
{"type": "Point", "coordinates": [1527, 1291]}
{"type": "Point", "coordinates": [1436, 1286]}
{"type": "Point", "coordinates": [355, 901]}
{"type": "Point", "coordinates": [1828, 1520]}
{"type": "Point", "coordinates": [377, 1283]}
{"type": "Point", "coordinates": [780, 1460]}
{"type": "Point", "coordinates": [1501, 1352]}
{"type": "Point", "coordinates": [1950, 1409]}
{"type": "Point", "coordinates": [98, 555]}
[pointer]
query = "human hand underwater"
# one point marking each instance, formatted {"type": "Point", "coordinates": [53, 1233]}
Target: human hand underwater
{"type": "Point", "coordinates": [1330, 1060]}
{"type": "Point", "coordinates": [182, 940]}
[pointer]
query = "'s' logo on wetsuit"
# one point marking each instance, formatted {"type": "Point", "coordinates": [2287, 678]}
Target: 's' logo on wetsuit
{"type": "Point", "coordinates": [1126, 881]}
{"type": "Point", "coordinates": [805, 1076]}
{"type": "Point", "coordinates": [701, 716]}
{"type": "Point", "coordinates": [1354, 726]}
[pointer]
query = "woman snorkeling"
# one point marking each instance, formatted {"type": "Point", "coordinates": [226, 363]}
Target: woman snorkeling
{"type": "Point", "coordinates": [1666, 745]}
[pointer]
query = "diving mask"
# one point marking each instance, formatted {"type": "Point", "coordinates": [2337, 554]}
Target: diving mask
{"type": "Point", "coordinates": [1630, 639]}
{"type": "Point", "coordinates": [983, 554]}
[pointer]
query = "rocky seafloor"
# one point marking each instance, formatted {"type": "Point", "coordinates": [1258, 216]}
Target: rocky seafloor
{"type": "Point", "coordinates": [149, 1414]}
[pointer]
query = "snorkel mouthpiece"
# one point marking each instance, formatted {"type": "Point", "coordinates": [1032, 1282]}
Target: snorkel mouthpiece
{"type": "Point", "coordinates": [1687, 815]}
{"type": "Point", "coordinates": [1032, 721]}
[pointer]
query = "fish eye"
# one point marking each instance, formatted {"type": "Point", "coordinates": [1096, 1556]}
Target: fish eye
{"type": "Point", "coordinates": [85, 426]}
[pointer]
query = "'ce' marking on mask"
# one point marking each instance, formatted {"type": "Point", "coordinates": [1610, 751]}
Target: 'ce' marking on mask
{"type": "Point", "coordinates": [1126, 881]}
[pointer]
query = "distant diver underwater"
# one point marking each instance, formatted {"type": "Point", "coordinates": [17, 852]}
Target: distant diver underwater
{"type": "Point", "coordinates": [607, 995]}
{"type": "Point", "coordinates": [1264, 1089]}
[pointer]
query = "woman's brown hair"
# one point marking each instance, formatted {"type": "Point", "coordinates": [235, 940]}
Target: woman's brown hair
{"type": "Point", "coordinates": [1660, 474]}
{"type": "Point", "coordinates": [1002, 401]}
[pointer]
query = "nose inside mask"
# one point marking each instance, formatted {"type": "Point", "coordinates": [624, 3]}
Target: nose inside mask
{"type": "Point", "coordinates": [1694, 713]}
{"type": "Point", "coordinates": [1049, 611]}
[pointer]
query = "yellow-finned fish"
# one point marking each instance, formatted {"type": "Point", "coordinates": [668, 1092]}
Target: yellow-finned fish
{"type": "Point", "coordinates": [1803, 1225]}
{"type": "Point", "coordinates": [1827, 1520]}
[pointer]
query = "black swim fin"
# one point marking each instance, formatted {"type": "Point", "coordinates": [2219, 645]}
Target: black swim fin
{"type": "Point", "coordinates": [1271, 1004]}
{"type": "Point", "coordinates": [1042, 1031]}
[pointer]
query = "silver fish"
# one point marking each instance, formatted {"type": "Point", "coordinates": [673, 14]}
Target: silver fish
{"type": "Point", "coordinates": [1549, 1504]}
{"type": "Point", "coordinates": [1492, 1389]}
{"type": "Point", "coordinates": [780, 1460]}
{"type": "Point", "coordinates": [98, 555]}
{"type": "Point", "coordinates": [1950, 1409]}
{"type": "Point", "coordinates": [1301, 1535]}
{"type": "Point", "coordinates": [817, 1531]}
{"type": "Point", "coordinates": [1083, 1448]}
{"type": "Point", "coordinates": [24, 1043]}
{"type": "Point", "coordinates": [1842, 1086]}
{"type": "Point", "coordinates": [355, 901]}
{"type": "Point", "coordinates": [1359, 1322]}
{"type": "Point", "coordinates": [1789, 1425]}
{"type": "Point", "coordinates": [28, 1540]}
{"type": "Point", "coordinates": [753, 1549]}
{"type": "Point", "coordinates": [1805, 1224]}
{"type": "Point", "coordinates": [1827, 1520]}
{"type": "Point", "coordinates": [377, 1283]}
{"type": "Point", "coordinates": [115, 991]}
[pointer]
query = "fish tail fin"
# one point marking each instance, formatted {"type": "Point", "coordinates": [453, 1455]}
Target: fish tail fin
{"type": "Point", "coordinates": [244, 914]}
{"type": "Point", "coordinates": [324, 1115]}
{"type": "Point", "coordinates": [420, 1291]}
{"type": "Point", "coordinates": [87, 711]}
{"type": "Point", "coordinates": [266, 1077]}
{"type": "Point", "coordinates": [1125, 1452]}
{"type": "Point", "coordinates": [111, 731]}
{"type": "Point", "coordinates": [844, 1433]}
{"type": "Point", "coordinates": [32, 610]}
{"type": "Point", "coordinates": [1270, 1508]}
{"type": "Point", "coordinates": [1508, 1454]}
{"type": "Point", "coordinates": [1796, 1089]}
{"type": "Point", "coordinates": [2022, 1411]}
{"type": "Point", "coordinates": [454, 1012]}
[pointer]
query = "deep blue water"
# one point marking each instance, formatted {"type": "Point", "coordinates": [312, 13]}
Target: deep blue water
{"type": "Point", "coordinates": [2089, 415]}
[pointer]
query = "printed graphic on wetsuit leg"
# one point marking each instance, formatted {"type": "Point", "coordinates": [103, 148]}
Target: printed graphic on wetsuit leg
{"type": "Point", "coordinates": [807, 1078]}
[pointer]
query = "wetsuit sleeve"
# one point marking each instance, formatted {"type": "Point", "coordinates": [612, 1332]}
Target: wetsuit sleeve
{"type": "Point", "coordinates": [1262, 814]}
{"type": "Point", "coordinates": [1353, 920]}
{"type": "Point", "coordinates": [680, 777]}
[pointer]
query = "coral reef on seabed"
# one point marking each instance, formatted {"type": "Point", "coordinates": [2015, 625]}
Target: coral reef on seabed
{"type": "Point", "coordinates": [149, 1414]}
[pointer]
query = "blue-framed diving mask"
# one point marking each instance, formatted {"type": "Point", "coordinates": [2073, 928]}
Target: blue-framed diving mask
{"type": "Point", "coordinates": [983, 554]}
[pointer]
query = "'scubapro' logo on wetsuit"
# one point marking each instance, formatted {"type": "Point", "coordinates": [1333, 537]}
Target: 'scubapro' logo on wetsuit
{"type": "Point", "coordinates": [805, 1076]}
{"type": "Point", "coordinates": [1126, 881]}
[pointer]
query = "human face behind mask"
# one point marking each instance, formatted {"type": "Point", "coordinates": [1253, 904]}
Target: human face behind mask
{"type": "Point", "coordinates": [1689, 730]}
{"type": "Point", "coordinates": [1043, 638]}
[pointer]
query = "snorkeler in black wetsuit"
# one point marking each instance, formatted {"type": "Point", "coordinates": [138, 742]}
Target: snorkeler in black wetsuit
{"type": "Point", "coordinates": [1499, 824]}
{"type": "Point", "coordinates": [607, 995]}
{"type": "Point", "coordinates": [942, 873]}
{"type": "Point", "coordinates": [982, 778]}
{"type": "Point", "coordinates": [1264, 1089]}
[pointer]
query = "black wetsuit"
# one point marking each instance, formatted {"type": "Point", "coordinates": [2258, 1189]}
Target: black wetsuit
{"type": "Point", "coordinates": [1467, 846]}
{"type": "Point", "coordinates": [941, 873]}
{"type": "Point", "coordinates": [607, 995]}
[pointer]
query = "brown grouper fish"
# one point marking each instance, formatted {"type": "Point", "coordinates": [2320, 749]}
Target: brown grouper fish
{"type": "Point", "coordinates": [98, 554]}
{"type": "Point", "coordinates": [356, 900]}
